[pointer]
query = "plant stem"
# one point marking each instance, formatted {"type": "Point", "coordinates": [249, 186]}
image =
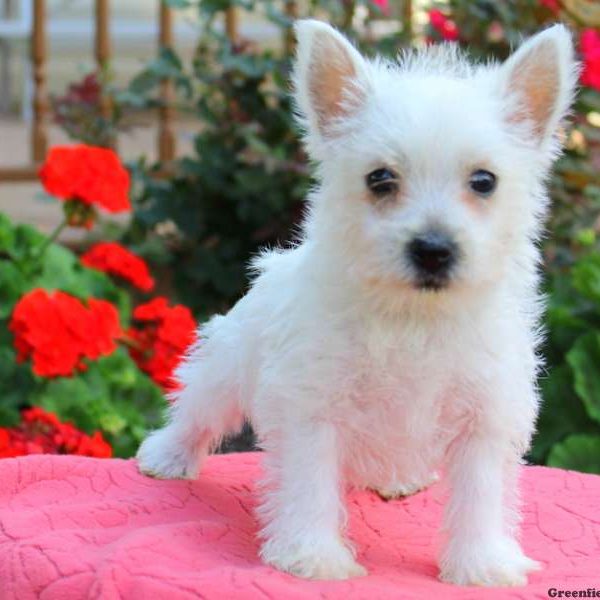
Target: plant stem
{"type": "Point", "coordinates": [51, 238]}
{"type": "Point", "coordinates": [349, 9]}
{"type": "Point", "coordinates": [128, 341]}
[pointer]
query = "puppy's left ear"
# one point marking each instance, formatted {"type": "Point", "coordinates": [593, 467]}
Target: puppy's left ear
{"type": "Point", "coordinates": [540, 79]}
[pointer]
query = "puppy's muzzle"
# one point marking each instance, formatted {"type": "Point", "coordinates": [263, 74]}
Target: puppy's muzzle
{"type": "Point", "coordinates": [432, 254]}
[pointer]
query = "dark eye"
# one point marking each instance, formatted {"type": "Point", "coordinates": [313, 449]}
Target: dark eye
{"type": "Point", "coordinates": [482, 182]}
{"type": "Point", "coordinates": [382, 182]}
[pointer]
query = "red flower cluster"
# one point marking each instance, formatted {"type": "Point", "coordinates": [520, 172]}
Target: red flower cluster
{"type": "Point", "coordinates": [590, 51]}
{"type": "Point", "coordinates": [383, 5]}
{"type": "Point", "coordinates": [58, 331]}
{"type": "Point", "coordinates": [88, 174]}
{"type": "Point", "coordinates": [552, 5]}
{"type": "Point", "coordinates": [115, 259]}
{"type": "Point", "coordinates": [41, 432]}
{"type": "Point", "coordinates": [161, 337]}
{"type": "Point", "coordinates": [443, 25]}
{"type": "Point", "coordinates": [85, 93]}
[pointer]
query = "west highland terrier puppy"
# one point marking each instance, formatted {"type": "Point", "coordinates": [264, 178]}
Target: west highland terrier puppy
{"type": "Point", "coordinates": [398, 337]}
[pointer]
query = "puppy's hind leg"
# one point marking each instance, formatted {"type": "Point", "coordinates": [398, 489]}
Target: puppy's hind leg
{"type": "Point", "coordinates": [401, 489]}
{"type": "Point", "coordinates": [206, 408]}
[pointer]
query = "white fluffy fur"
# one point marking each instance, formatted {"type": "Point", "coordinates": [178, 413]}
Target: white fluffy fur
{"type": "Point", "coordinates": [348, 372]}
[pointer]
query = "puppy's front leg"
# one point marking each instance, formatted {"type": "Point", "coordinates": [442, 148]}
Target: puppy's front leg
{"type": "Point", "coordinates": [302, 507]}
{"type": "Point", "coordinates": [481, 516]}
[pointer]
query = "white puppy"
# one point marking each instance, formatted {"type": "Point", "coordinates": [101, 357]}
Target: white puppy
{"type": "Point", "coordinates": [399, 335]}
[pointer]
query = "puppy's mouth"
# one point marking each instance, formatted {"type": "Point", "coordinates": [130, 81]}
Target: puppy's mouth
{"type": "Point", "coordinates": [432, 283]}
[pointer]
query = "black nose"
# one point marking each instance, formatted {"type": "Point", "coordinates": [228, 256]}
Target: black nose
{"type": "Point", "coordinates": [433, 253]}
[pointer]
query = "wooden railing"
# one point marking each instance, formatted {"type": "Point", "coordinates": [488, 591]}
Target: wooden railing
{"type": "Point", "coordinates": [166, 139]}
{"type": "Point", "coordinates": [103, 54]}
{"type": "Point", "coordinates": [166, 146]}
{"type": "Point", "coordinates": [581, 11]}
{"type": "Point", "coordinates": [39, 137]}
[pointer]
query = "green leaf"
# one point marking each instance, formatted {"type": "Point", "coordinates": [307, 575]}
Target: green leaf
{"type": "Point", "coordinates": [178, 3]}
{"type": "Point", "coordinates": [586, 277]}
{"type": "Point", "coordinates": [141, 84]}
{"type": "Point", "coordinates": [8, 361]}
{"type": "Point", "coordinates": [118, 369]}
{"type": "Point", "coordinates": [592, 192]}
{"type": "Point", "coordinates": [72, 399]}
{"type": "Point", "coordinates": [12, 285]}
{"type": "Point", "coordinates": [584, 359]}
{"type": "Point", "coordinates": [251, 66]}
{"type": "Point", "coordinates": [15, 381]}
{"type": "Point", "coordinates": [561, 413]}
{"type": "Point", "coordinates": [113, 396]}
{"type": "Point", "coordinates": [579, 452]}
{"type": "Point", "coordinates": [7, 235]}
{"type": "Point", "coordinates": [586, 236]}
{"type": "Point", "coordinates": [590, 99]}
{"type": "Point", "coordinates": [167, 64]}
{"type": "Point", "coordinates": [112, 423]}
{"type": "Point", "coordinates": [210, 7]}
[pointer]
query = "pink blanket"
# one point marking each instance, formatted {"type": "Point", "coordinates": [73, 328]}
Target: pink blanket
{"type": "Point", "coordinates": [74, 528]}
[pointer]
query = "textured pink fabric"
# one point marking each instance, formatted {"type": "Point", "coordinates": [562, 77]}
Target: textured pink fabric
{"type": "Point", "coordinates": [74, 528]}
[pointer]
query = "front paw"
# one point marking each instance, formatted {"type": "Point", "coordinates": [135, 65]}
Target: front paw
{"type": "Point", "coordinates": [162, 456]}
{"type": "Point", "coordinates": [492, 564]}
{"type": "Point", "coordinates": [328, 560]}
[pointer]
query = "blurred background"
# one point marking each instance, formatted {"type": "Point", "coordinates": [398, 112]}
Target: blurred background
{"type": "Point", "coordinates": [193, 95]}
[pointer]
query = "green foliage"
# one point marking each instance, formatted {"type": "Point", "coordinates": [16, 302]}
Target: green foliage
{"type": "Point", "coordinates": [80, 112]}
{"type": "Point", "coordinates": [584, 360]}
{"type": "Point", "coordinates": [112, 395]}
{"type": "Point", "coordinates": [27, 261]}
{"type": "Point", "coordinates": [561, 414]}
{"type": "Point", "coordinates": [571, 391]}
{"type": "Point", "coordinates": [568, 432]}
{"type": "Point", "coordinates": [579, 452]}
{"type": "Point", "coordinates": [242, 188]}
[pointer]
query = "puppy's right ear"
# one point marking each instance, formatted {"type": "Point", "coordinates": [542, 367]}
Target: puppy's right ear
{"type": "Point", "coordinates": [329, 77]}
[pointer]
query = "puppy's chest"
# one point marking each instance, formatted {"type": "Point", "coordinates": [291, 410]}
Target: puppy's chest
{"type": "Point", "coordinates": [400, 394]}
{"type": "Point", "coordinates": [398, 401]}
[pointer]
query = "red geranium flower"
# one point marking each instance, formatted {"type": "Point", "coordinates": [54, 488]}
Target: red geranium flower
{"type": "Point", "coordinates": [58, 331]}
{"type": "Point", "coordinates": [115, 259]}
{"type": "Point", "coordinates": [383, 5]}
{"type": "Point", "coordinates": [552, 5]}
{"type": "Point", "coordinates": [443, 25]}
{"type": "Point", "coordinates": [590, 51]}
{"type": "Point", "coordinates": [41, 432]}
{"type": "Point", "coordinates": [160, 338]}
{"type": "Point", "coordinates": [87, 174]}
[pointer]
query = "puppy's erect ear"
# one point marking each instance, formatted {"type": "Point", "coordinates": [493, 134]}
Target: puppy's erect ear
{"type": "Point", "coordinates": [329, 76]}
{"type": "Point", "coordinates": [540, 77]}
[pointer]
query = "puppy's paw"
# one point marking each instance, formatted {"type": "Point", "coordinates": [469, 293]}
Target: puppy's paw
{"type": "Point", "coordinates": [499, 563]}
{"type": "Point", "coordinates": [397, 490]}
{"type": "Point", "coordinates": [321, 561]}
{"type": "Point", "coordinates": [162, 457]}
